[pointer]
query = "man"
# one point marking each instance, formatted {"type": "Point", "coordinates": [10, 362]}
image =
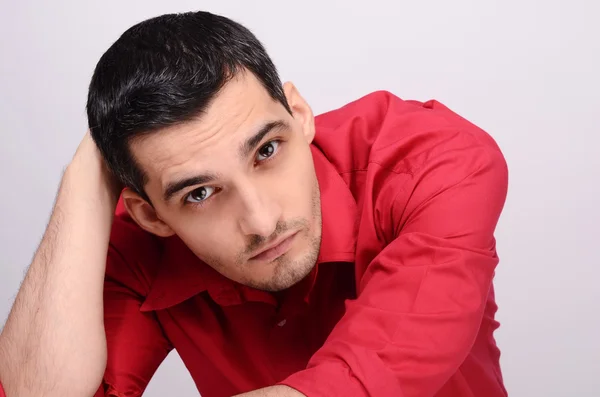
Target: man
{"type": "Point", "coordinates": [350, 254]}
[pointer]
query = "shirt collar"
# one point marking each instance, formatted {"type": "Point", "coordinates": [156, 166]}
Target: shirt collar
{"type": "Point", "coordinates": [183, 275]}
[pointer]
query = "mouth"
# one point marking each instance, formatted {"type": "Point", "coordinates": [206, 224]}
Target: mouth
{"type": "Point", "coordinates": [275, 249]}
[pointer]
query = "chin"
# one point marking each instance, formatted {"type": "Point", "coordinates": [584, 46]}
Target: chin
{"type": "Point", "coordinates": [285, 274]}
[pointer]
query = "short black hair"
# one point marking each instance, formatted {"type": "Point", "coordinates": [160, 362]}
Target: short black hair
{"type": "Point", "coordinates": [165, 71]}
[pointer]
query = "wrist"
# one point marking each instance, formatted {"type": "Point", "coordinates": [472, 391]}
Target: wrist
{"type": "Point", "coordinates": [89, 184]}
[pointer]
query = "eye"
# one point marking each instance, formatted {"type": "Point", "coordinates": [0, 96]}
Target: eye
{"type": "Point", "coordinates": [199, 195]}
{"type": "Point", "coordinates": [267, 150]}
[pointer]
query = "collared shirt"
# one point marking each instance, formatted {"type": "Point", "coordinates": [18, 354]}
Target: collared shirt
{"type": "Point", "coordinates": [400, 302]}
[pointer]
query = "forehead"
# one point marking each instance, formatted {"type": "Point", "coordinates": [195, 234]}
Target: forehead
{"type": "Point", "coordinates": [210, 142]}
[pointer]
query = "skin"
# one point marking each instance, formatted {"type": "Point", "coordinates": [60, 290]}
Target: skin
{"type": "Point", "coordinates": [262, 194]}
{"type": "Point", "coordinates": [56, 329]}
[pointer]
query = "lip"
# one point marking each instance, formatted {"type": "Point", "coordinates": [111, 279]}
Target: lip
{"type": "Point", "coordinates": [275, 249]}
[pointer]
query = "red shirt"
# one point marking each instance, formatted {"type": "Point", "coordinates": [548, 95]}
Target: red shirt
{"type": "Point", "coordinates": [401, 300]}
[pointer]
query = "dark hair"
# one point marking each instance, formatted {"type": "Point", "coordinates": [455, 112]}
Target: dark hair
{"type": "Point", "coordinates": [165, 71]}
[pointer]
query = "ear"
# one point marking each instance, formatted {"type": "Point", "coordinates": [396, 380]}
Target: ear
{"type": "Point", "coordinates": [301, 111]}
{"type": "Point", "coordinates": [144, 214]}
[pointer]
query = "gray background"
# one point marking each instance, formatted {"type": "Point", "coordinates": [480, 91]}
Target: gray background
{"type": "Point", "coordinates": [526, 71]}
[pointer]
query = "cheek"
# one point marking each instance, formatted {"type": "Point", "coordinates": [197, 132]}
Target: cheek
{"type": "Point", "coordinates": [296, 188]}
{"type": "Point", "coordinates": [208, 238]}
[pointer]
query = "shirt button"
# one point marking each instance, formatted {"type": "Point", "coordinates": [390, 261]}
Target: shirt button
{"type": "Point", "coordinates": [282, 323]}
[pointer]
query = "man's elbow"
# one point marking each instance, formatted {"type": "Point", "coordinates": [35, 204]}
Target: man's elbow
{"type": "Point", "coordinates": [22, 373]}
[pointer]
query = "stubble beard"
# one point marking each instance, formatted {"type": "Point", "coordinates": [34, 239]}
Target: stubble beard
{"type": "Point", "coordinates": [289, 271]}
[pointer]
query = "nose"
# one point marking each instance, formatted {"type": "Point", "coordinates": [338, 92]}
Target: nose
{"type": "Point", "coordinates": [260, 213]}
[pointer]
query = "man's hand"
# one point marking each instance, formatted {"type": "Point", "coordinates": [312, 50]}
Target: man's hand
{"type": "Point", "coordinates": [53, 343]}
{"type": "Point", "coordinates": [273, 391]}
{"type": "Point", "coordinates": [87, 158]}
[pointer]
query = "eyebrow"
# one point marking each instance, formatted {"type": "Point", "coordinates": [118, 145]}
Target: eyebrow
{"type": "Point", "coordinates": [251, 143]}
{"type": "Point", "coordinates": [245, 149]}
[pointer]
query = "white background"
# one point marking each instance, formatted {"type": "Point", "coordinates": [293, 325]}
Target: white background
{"type": "Point", "coordinates": [526, 71]}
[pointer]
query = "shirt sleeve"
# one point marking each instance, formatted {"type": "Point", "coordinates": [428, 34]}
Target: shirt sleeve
{"type": "Point", "coordinates": [135, 341]}
{"type": "Point", "coordinates": [421, 299]}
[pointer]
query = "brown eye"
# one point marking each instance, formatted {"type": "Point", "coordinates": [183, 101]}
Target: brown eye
{"type": "Point", "coordinates": [267, 150]}
{"type": "Point", "coordinates": [200, 194]}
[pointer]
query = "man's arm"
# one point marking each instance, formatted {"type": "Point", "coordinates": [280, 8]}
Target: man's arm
{"type": "Point", "coordinates": [421, 299]}
{"type": "Point", "coordinates": [53, 343]}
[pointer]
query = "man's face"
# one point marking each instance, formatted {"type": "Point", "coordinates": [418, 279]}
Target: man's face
{"type": "Point", "coordinates": [237, 185]}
